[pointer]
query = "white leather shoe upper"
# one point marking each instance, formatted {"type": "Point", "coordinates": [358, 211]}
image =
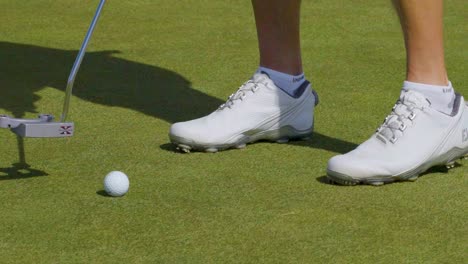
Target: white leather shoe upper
{"type": "Point", "coordinates": [257, 106]}
{"type": "Point", "coordinates": [413, 135]}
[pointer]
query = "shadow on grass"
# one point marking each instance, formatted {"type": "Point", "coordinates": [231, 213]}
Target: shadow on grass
{"type": "Point", "coordinates": [325, 180]}
{"type": "Point", "coordinates": [103, 79]}
{"type": "Point", "coordinates": [169, 147]}
{"type": "Point", "coordinates": [21, 169]}
{"type": "Point", "coordinates": [103, 193]}
{"type": "Point", "coordinates": [320, 141]}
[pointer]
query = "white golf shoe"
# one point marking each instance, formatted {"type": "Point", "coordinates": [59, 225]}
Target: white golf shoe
{"type": "Point", "coordinates": [259, 110]}
{"type": "Point", "coordinates": [413, 138]}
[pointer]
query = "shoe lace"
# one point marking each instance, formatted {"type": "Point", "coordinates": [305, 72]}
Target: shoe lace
{"type": "Point", "coordinates": [241, 93]}
{"type": "Point", "coordinates": [402, 116]}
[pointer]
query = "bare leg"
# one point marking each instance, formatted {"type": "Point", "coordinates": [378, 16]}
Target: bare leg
{"type": "Point", "coordinates": [278, 34]}
{"type": "Point", "coordinates": [422, 24]}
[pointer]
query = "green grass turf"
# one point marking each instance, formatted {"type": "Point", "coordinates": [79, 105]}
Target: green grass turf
{"type": "Point", "coordinates": [152, 63]}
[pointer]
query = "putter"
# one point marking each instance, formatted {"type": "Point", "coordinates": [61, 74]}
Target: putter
{"type": "Point", "coordinates": [44, 126]}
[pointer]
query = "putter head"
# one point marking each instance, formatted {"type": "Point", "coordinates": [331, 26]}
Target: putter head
{"type": "Point", "coordinates": [41, 127]}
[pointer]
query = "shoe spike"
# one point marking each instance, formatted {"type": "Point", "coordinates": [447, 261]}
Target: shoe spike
{"type": "Point", "coordinates": [282, 140]}
{"type": "Point", "coordinates": [450, 165]}
{"type": "Point", "coordinates": [413, 178]}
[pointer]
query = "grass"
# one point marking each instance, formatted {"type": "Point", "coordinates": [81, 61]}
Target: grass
{"type": "Point", "coordinates": [152, 63]}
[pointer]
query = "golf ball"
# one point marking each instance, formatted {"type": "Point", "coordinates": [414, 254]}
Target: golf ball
{"type": "Point", "coordinates": [116, 183]}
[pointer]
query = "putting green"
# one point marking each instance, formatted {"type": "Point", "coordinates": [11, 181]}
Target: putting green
{"type": "Point", "coordinates": [152, 63]}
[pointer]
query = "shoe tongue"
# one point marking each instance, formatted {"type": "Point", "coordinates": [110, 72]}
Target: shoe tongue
{"type": "Point", "coordinates": [413, 98]}
{"type": "Point", "coordinates": [261, 78]}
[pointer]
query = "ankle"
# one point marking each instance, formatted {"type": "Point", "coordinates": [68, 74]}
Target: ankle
{"type": "Point", "coordinates": [428, 76]}
{"type": "Point", "coordinates": [286, 82]}
{"type": "Point", "coordinates": [441, 97]}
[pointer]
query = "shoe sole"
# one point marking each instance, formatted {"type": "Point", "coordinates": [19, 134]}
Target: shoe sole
{"type": "Point", "coordinates": [448, 159]}
{"type": "Point", "coordinates": [282, 135]}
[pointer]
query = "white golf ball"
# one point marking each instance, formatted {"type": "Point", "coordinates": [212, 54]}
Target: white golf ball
{"type": "Point", "coordinates": [116, 183]}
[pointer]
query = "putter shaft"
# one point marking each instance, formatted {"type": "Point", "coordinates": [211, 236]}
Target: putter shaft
{"type": "Point", "coordinates": [78, 60]}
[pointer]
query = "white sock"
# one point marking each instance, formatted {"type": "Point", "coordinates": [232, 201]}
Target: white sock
{"type": "Point", "coordinates": [442, 98]}
{"type": "Point", "coordinates": [286, 82]}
